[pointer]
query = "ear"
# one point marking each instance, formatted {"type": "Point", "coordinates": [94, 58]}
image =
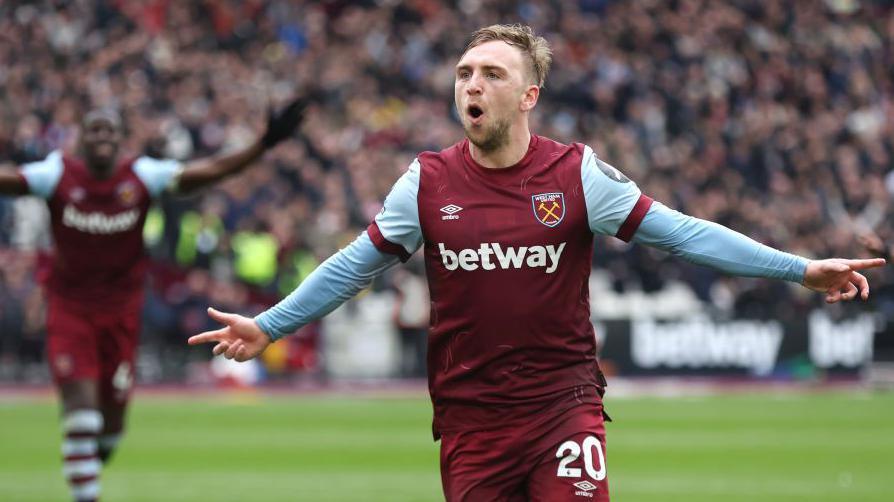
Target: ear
{"type": "Point", "coordinates": [529, 98]}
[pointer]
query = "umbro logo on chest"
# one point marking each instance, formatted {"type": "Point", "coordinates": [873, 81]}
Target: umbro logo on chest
{"type": "Point", "coordinates": [549, 209]}
{"type": "Point", "coordinates": [450, 211]}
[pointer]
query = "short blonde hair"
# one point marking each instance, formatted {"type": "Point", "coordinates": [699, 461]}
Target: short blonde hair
{"type": "Point", "coordinates": [524, 39]}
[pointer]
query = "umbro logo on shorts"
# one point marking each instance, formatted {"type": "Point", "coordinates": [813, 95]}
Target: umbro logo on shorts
{"type": "Point", "coordinates": [584, 488]}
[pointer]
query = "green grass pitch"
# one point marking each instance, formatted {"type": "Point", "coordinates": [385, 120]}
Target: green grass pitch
{"type": "Point", "coordinates": [828, 446]}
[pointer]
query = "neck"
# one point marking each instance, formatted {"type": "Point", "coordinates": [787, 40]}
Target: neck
{"type": "Point", "coordinates": [101, 171]}
{"type": "Point", "coordinates": [507, 155]}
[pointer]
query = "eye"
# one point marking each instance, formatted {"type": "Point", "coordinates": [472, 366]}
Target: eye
{"type": "Point", "coordinates": [464, 75]}
{"type": "Point", "coordinates": [493, 76]}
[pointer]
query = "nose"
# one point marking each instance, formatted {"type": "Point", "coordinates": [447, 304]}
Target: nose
{"type": "Point", "coordinates": [106, 134]}
{"type": "Point", "coordinates": [474, 87]}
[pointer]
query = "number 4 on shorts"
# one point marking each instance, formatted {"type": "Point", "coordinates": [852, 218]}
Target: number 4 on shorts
{"type": "Point", "coordinates": [570, 451]}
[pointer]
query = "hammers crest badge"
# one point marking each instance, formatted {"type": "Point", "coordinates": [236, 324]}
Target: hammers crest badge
{"type": "Point", "coordinates": [549, 208]}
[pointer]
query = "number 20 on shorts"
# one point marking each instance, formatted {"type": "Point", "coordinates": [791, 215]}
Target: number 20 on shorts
{"type": "Point", "coordinates": [569, 451]}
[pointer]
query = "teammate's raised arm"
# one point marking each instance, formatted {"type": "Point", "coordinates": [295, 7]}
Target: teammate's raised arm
{"type": "Point", "coordinates": [37, 178]}
{"type": "Point", "coordinates": [280, 126]}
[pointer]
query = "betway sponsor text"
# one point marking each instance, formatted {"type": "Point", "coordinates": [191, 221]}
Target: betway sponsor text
{"type": "Point", "coordinates": [491, 255]}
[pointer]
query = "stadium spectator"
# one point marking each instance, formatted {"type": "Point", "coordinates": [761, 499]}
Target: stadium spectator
{"type": "Point", "coordinates": [506, 219]}
{"type": "Point", "coordinates": [411, 317]}
{"type": "Point", "coordinates": [732, 111]}
{"type": "Point", "coordinates": [98, 198]}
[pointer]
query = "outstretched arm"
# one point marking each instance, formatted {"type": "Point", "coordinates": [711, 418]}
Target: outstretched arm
{"type": "Point", "coordinates": [394, 235]}
{"type": "Point", "coordinates": [338, 279]}
{"type": "Point", "coordinates": [615, 206]}
{"type": "Point", "coordinates": [280, 125]}
{"type": "Point", "coordinates": [203, 172]}
{"type": "Point", "coordinates": [37, 178]}
{"type": "Point", "coordinates": [706, 243]}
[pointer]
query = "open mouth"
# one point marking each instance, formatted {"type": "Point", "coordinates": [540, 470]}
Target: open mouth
{"type": "Point", "coordinates": [474, 111]}
{"type": "Point", "coordinates": [103, 149]}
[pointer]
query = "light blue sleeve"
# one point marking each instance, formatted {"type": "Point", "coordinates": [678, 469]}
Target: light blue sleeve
{"type": "Point", "coordinates": [610, 196]}
{"type": "Point", "coordinates": [43, 176]}
{"type": "Point", "coordinates": [398, 221]}
{"type": "Point", "coordinates": [337, 280]}
{"type": "Point", "coordinates": [156, 174]}
{"type": "Point", "coordinates": [706, 243]}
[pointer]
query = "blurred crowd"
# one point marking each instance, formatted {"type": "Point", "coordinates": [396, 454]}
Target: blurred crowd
{"type": "Point", "coordinates": [770, 117]}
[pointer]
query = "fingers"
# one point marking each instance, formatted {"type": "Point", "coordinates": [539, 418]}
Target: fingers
{"type": "Point", "coordinates": [282, 124]}
{"type": "Point", "coordinates": [296, 108]}
{"type": "Point", "coordinates": [856, 285]}
{"type": "Point", "coordinates": [850, 292]}
{"type": "Point", "coordinates": [859, 281]}
{"type": "Point", "coordinates": [208, 336]}
{"type": "Point", "coordinates": [241, 354]}
{"type": "Point", "coordinates": [236, 351]}
{"type": "Point", "coordinates": [289, 116]}
{"type": "Point", "coordinates": [220, 348]}
{"type": "Point", "coordinates": [864, 264]}
{"type": "Point", "coordinates": [222, 317]}
{"type": "Point", "coordinates": [838, 266]}
{"type": "Point", "coordinates": [833, 296]}
{"type": "Point", "coordinates": [233, 349]}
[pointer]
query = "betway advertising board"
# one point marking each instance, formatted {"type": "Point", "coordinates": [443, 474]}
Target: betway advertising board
{"type": "Point", "coordinates": [703, 346]}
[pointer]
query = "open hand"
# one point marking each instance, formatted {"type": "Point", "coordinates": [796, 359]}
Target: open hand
{"type": "Point", "coordinates": [241, 339]}
{"type": "Point", "coordinates": [282, 123]}
{"type": "Point", "coordinates": [839, 279]}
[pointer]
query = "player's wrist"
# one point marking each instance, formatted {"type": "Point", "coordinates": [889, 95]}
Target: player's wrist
{"type": "Point", "coordinates": [809, 273]}
{"type": "Point", "coordinates": [267, 330]}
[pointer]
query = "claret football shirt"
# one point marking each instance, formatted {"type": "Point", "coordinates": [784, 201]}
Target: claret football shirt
{"type": "Point", "coordinates": [508, 255]}
{"type": "Point", "coordinates": [97, 225]}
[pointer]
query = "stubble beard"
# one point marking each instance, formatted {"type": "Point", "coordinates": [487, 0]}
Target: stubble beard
{"type": "Point", "coordinates": [492, 138]}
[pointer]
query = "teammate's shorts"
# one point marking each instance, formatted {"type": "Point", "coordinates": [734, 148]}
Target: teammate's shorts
{"type": "Point", "coordinates": [561, 459]}
{"type": "Point", "coordinates": [93, 345]}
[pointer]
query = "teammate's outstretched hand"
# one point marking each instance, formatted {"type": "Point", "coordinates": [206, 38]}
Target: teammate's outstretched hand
{"type": "Point", "coordinates": [282, 123]}
{"type": "Point", "coordinates": [839, 279]}
{"type": "Point", "coordinates": [241, 339]}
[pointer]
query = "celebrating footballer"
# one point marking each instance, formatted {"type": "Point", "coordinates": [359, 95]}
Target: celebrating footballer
{"type": "Point", "coordinates": [506, 220]}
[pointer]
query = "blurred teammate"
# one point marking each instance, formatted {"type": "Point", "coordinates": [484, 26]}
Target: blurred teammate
{"type": "Point", "coordinates": [98, 202]}
{"type": "Point", "coordinates": [507, 219]}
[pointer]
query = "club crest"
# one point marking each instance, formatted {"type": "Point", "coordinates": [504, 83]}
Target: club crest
{"type": "Point", "coordinates": [127, 193]}
{"type": "Point", "coordinates": [549, 208]}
